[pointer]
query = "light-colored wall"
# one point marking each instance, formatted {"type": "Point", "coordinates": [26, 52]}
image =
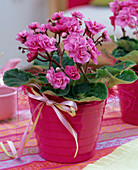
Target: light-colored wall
{"type": "Point", "coordinates": [15, 15]}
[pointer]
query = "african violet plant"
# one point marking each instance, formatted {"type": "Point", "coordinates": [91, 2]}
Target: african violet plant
{"type": "Point", "coordinates": [64, 58]}
{"type": "Point", "coordinates": [125, 14]}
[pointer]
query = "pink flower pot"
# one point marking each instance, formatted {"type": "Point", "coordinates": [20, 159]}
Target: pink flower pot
{"type": "Point", "coordinates": [8, 102]}
{"type": "Point", "coordinates": [128, 95]}
{"type": "Point", "coordinates": [55, 142]}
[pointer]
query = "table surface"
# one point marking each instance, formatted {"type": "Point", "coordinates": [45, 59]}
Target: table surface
{"type": "Point", "coordinates": [114, 132]}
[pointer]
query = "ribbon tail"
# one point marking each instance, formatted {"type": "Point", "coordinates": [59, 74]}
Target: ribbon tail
{"type": "Point", "coordinates": [12, 147]}
{"type": "Point", "coordinates": [22, 144]}
{"type": "Point", "coordinates": [68, 126]}
{"type": "Point", "coordinates": [76, 141]}
{"type": "Point", "coordinates": [35, 123]}
{"type": "Point", "coordinates": [18, 154]}
{"type": "Point", "coordinates": [5, 150]}
{"type": "Point", "coordinates": [26, 139]}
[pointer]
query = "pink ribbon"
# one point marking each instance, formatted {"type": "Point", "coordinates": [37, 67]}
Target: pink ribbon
{"type": "Point", "coordinates": [67, 106]}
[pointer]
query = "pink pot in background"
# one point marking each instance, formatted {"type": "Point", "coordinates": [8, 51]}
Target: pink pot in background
{"type": "Point", "coordinates": [128, 96]}
{"type": "Point", "coordinates": [55, 142]}
{"type": "Point", "coordinates": [8, 102]}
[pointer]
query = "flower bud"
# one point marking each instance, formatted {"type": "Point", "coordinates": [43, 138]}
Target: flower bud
{"type": "Point", "coordinates": [64, 35]}
{"type": "Point", "coordinates": [58, 69]}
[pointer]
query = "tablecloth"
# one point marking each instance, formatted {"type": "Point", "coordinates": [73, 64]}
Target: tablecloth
{"type": "Point", "coordinates": [114, 132]}
{"type": "Point", "coordinates": [124, 157]}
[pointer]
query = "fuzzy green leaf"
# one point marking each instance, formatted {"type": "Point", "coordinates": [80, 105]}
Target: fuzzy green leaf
{"type": "Point", "coordinates": [80, 80]}
{"type": "Point", "coordinates": [120, 66]}
{"type": "Point", "coordinates": [88, 92]}
{"type": "Point", "coordinates": [132, 56]}
{"type": "Point", "coordinates": [125, 77]}
{"type": "Point", "coordinates": [16, 78]}
{"type": "Point", "coordinates": [43, 79]}
{"type": "Point", "coordinates": [128, 45]}
{"type": "Point", "coordinates": [100, 76]}
{"type": "Point", "coordinates": [40, 64]}
{"type": "Point", "coordinates": [125, 45]}
{"type": "Point", "coordinates": [116, 74]}
{"type": "Point", "coordinates": [66, 60]}
{"type": "Point", "coordinates": [57, 92]}
{"type": "Point", "coordinates": [119, 52]}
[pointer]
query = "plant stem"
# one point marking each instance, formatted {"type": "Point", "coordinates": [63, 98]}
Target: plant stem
{"type": "Point", "coordinates": [42, 56]}
{"type": "Point", "coordinates": [55, 36]}
{"type": "Point", "coordinates": [136, 33]}
{"type": "Point", "coordinates": [41, 59]}
{"type": "Point", "coordinates": [50, 60]}
{"type": "Point", "coordinates": [98, 42]}
{"type": "Point", "coordinates": [86, 66]}
{"type": "Point", "coordinates": [124, 32]}
{"type": "Point", "coordinates": [49, 56]}
{"type": "Point", "coordinates": [61, 57]}
{"type": "Point", "coordinates": [82, 71]}
{"type": "Point", "coordinates": [54, 61]}
{"type": "Point", "coordinates": [59, 49]}
{"type": "Point", "coordinates": [84, 32]}
{"type": "Point", "coordinates": [58, 38]}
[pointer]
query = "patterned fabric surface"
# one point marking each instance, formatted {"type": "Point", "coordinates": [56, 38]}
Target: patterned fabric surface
{"type": "Point", "coordinates": [114, 132]}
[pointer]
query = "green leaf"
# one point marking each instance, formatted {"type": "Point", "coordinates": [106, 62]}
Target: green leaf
{"type": "Point", "coordinates": [132, 56]}
{"type": "Point", "coordinates": [40, 64]}
{"type": "Point", "coordinates": [125, 45]}
{"type": "Point", "coordinates": [85, 92]}
{"type": "Point", "coordinates": [120, 66]}
{"type": "Point", "coordinates": [43, 79]}
{"type": "Point", "coordinates": [119, 52]}
{"type": "Point", "coordinates": [80, 80]}
{"type": "Point", "coordinates": [124, 65]}
{"type": "Point", "coordinates": [113, 38]}
{"type": "Point", "coordinates": [118, 74]}
{"type": "Point", "coordinates": [129, 44]}
{"type": "Point", "coordinates": [66, 60]}
{"type": "Point", "coordinates": [113, 71]}
{"type": "Point", "coordinates": [100, 76]}
{"type": "Point", "coordinates": [16, 78]}
{"type": "Point", "coordinates": [57, 92]}
{"type": "Point", "coordinates": [125, 77]}
{"type": "Point", "coordinates": [41, 74]}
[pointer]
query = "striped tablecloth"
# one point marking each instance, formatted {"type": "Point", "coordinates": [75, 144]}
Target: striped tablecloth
{"type": "Point", "coordinates": [114, 132]}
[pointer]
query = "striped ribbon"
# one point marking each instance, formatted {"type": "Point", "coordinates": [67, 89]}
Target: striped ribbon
{"type": "Point", "coordinates": [67, 106]}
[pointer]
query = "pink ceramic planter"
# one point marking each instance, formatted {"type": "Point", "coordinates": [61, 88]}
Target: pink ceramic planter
{"type": "Point", "coordinates": [128, 95]}
{"type": "Point", "coordinates": [8, 102]}
{"type": "Point", "coordinates": [55, 142]}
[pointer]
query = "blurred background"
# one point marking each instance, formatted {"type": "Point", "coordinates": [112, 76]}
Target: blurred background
{"type": "Point", "coordinates": [15, 15]}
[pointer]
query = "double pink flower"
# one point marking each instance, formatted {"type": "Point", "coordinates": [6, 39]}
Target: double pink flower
{"type": "Point", "coordinates": [125, 13]}
{"type": "Point", "coordinates": [59, 79]}
{"type": "Point", "coordinates": [93, 28]}
{"type": "Point", "coordinates": [40, 42]}
{"type": "Point", "coordinates": [76, 45]}
{"type": "Point", "coordinates": [80, 49]}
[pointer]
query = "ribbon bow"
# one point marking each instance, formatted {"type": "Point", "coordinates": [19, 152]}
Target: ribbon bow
{"type": "Point", "coordinates": [67, 106]}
